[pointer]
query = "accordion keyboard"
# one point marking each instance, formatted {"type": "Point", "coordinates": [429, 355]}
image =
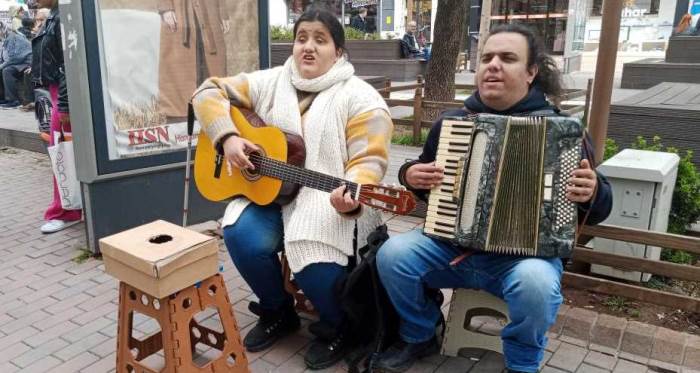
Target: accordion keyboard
{"type": "Point", "coordinates": [454, 144]}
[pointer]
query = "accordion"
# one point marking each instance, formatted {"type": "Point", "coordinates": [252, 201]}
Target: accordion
{"type": "Point", "coordinates": [505, 184]}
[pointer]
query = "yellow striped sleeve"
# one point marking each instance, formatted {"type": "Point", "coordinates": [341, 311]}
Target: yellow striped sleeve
{"type": "Point", "coordinates": [368, 137]}
{"type": "Point", "coordinates": [212, 104]}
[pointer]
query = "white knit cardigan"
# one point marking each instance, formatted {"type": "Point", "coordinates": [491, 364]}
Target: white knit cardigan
{"type": "Point", "coordinates": [314, 231]}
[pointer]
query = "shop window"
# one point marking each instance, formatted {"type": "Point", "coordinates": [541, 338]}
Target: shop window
{"type": "Point", "coordinates": [643, 7]}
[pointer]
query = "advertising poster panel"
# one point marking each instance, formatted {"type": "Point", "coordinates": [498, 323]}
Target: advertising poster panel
{"type": "Point", "coordinates": [156, 53]}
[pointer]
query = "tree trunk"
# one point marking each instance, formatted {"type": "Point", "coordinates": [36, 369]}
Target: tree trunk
{"type": "Point", "coordinates": [450, 22]}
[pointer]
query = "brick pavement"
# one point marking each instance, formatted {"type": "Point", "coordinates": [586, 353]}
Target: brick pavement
{"type": "Point", "coordinates": [57, 315]}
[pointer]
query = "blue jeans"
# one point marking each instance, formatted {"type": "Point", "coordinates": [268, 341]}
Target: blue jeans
{"type": "Point", "coordinates": [254, 242]}
{"type": "Point", "coordinates": [530, 286]}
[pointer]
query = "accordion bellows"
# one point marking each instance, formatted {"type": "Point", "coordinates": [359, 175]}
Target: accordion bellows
{"type": "Point", "coordinates": [505, 184]}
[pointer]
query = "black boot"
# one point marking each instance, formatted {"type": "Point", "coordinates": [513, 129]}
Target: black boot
{"type": "Point", "coordinates": [330, 346]}
{"type": "Point", "coordinates": [271, 326]}
{"type": "Point", "coordinates": [401, 355]}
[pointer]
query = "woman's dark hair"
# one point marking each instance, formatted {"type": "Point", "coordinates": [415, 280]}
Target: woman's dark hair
{"type": "Point", "coordinates": [548, 77]}
{"type": "Point", "coordinates": [327, 19]}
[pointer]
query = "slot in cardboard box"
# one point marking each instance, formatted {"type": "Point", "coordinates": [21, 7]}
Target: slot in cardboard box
{"type": "Point", "coordinates": [160, 258]}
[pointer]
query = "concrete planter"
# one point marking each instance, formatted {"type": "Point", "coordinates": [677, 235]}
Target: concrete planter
{"type": "Point", "coordinates": [370, 58]}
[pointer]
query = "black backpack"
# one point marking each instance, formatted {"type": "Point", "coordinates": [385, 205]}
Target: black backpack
{"type": "Point", "coordinates": [368, 310]}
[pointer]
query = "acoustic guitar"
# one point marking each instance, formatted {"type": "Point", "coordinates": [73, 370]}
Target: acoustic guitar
{"type": "Point", "coordinates": [279, 172]}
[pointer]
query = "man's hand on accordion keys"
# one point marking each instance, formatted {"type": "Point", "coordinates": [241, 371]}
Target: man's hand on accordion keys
{"type": "Point", "coordinates": [582, 183]}
{"type": "Point", "coordinates": [424, 175]}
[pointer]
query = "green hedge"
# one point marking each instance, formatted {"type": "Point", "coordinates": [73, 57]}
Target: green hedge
{"type": "Point", "coordinates": [283, 33]}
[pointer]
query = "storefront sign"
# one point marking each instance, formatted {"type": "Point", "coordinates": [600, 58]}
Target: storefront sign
{"type": "Point", "coordinates": [362, 3]}
{"type": "Point", "coordinates": [628, 12]}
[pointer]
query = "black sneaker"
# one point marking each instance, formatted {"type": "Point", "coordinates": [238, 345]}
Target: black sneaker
{"type": "Point", "coordinates": [271, 326]}
{"type": "Point", "coordinates": [10, 105]}
{"type": "Point", "coordinates": [401, 355]}
{"type": "Point", "coordinates": [328, 348]}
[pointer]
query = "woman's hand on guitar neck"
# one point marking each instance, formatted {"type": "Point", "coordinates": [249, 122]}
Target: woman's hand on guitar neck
{"type": "Point", "coordinates": [342, 201]}
{"type": "Point", "coordinates": [236, 150]}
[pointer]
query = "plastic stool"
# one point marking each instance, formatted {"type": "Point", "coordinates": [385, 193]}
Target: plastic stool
{"type": "Point", "coordinates": [466, 304]}
{"type": "Point", "coordinates": [180, 332]}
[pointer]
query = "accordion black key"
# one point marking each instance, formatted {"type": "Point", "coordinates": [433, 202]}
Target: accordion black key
{"type": "Point", "coordinates": [505, 184]}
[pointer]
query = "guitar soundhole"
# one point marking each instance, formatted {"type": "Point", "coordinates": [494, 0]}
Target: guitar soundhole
{"type": "Point", "coordinates": [253, 175]}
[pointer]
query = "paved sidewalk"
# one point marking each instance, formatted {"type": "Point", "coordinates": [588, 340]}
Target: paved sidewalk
{"type": "Point", "coordinates": [57, 315]}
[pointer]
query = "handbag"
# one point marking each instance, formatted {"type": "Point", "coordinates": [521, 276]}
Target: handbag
{"type": "Point", "coordinates": [42, 109]}
{"type": "Point", "coordinates": [63, 166]}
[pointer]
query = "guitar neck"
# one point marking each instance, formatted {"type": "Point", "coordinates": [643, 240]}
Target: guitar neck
{"type": "Point", "coordinates": [297, 175]}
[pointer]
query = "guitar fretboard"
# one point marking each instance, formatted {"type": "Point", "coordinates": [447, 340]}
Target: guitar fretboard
{"type": "Point", "coordinates": [293, 174]}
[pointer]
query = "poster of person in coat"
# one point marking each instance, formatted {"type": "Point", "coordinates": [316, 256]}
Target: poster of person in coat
{"type": "Point", "coordinates": [156, 54]}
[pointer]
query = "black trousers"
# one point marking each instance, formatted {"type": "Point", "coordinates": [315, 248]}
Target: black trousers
{"type": "Point", "coordinates": [14, 79]}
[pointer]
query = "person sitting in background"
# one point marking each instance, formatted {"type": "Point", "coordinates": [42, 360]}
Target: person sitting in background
{"type": "Point", "coordinates": [27, 26]}
{"type": "Point", "coordinates": [15, 12]}
{"type": "Point", "coordinates": [359, 21]}
{"type": "Point", "coordinates": [409, 45]}
{"type": "Point", "coordinates": [15, 58]}
{"type": "Point", "coordinates": [685, 26]}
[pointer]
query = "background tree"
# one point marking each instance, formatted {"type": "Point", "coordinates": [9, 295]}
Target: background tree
{"type": "Point", "coordinates": [450, 25]}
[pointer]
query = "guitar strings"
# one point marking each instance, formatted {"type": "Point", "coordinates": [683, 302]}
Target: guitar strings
{"type": "Point", "coordinates": [298, 175]}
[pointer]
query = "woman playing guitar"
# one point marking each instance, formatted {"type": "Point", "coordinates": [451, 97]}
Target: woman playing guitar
{"type": "Point", "coordinates": [346, 129]}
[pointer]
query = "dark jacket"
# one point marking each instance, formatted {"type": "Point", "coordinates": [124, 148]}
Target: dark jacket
{"type": "Point", "coordinates": [47, 61]}
{"type": "Point", "coordinates": [534, 103]}
{"type": "Point", "coordinates": [358, 23]}
{"type": "Point", "coordinates": [408, 46]}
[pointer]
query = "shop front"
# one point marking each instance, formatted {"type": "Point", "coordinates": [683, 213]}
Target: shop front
{"type": "Point", "coordinates": [559, 23]}
{"type": "Point", "coordinates": [645, 25]}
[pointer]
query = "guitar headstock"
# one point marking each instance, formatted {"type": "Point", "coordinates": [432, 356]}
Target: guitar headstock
{"type": "Point", "coordinates": [394, 199]}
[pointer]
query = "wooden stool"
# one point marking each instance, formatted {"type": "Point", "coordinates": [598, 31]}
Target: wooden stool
{"type": "Point", "coordinates": [180, 332]}
{"type": "Point", "coordinates": [466, 304]}
{"type": "Point", "coordinates": [301, 302]}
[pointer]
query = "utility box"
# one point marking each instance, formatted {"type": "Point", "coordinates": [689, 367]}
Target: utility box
{"type": "Point", "coordinates": [642, 185]}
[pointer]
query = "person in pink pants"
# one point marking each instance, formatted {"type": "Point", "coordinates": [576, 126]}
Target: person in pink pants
{"type": "Point", "coordinates": [57, 218]}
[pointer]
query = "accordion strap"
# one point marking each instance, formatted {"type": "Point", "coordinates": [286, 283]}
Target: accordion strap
{"type": "Point", "coordinates": [591, 160]}
{"type": "Point", "coordinates": [458, 259]}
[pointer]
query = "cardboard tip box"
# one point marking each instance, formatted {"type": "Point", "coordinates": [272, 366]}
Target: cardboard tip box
{"type": "Point", "coordinates": [160, 258]}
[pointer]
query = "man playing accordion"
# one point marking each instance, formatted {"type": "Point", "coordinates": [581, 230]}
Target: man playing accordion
{"type": "Point", "coordinates": [512, 79]}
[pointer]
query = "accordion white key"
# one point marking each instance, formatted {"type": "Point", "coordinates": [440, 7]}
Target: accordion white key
{"type": "Point", "coordinates": [505, 184]}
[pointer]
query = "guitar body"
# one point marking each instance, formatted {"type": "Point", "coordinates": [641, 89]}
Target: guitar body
{"type": "Point", "coordinates": [262, 190]}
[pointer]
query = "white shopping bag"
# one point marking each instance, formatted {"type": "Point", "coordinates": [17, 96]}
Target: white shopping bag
{"type": "Point", "coordinates": [63, 165]}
